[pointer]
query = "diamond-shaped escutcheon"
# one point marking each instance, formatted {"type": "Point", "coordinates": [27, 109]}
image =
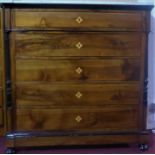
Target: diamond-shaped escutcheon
{"type": "Point", "coordinates": [79, 70]}
{"type": "Point", "coordinates": [78, 118]}
{"type": "Point", "coordinates": [79, 45]}
{"type": "Point", "coordinates": [79, 20]}
{"type": "Point", "coordinates": [78, 95]}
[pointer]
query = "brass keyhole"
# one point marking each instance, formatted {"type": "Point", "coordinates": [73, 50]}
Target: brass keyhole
{"type": "Point", "coordinates": [79, 20]}
{"type": "Point", "coordinates": [79, 70]}
{"type": "Point", "coordinates": [79, 45]}
{"type": "Point", "coordinates": [78, 119]}
{"type": "Point", "coordinates": [78, 95]}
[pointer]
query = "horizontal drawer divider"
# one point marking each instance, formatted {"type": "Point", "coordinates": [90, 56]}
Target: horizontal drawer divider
{"type": "Point", "coordinates": [105, 106]}
{"type": "Point", "coordinates": [21, 134]}
{"type": "Point", "coordinates": [75, 57]}
{"type": "Point", "coordinates": [73, 30]}
{"type": "Point", "coordinates": [79, 82]}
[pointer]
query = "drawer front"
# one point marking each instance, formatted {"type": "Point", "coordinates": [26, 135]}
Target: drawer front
{"type": "Point", "coordinates": [55, 19]}
{"type": "Point", "coordinates": [1, 116]}
{"type": "Point", "coordinates": [112, 119]}
{"type": "Point", "coordinates": [76, 94]}
{"type": "Point", "coordinates": [77, 70]}
{"type": "Point", "coordinates": [45, 44]}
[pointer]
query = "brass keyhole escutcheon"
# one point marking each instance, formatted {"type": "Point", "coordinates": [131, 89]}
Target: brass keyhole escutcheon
{"type": "Point", "coordinates": [78, 95]}
{"type": "Point", "coordinates": [79, 70]}
{"type": "Point", "coordinates": [78, 119]}
{"type": "Point", "coordinates": [79, 20]}
{"type": "Point", "coordinates": [79, 45]}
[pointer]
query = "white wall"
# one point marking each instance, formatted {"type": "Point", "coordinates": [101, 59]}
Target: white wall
{"type": "Point", "coordinates": [151, 86]}
{"type": "Point", "coordinates": [152, 52]}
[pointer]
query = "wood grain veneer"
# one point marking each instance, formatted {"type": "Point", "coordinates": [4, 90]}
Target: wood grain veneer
{"type": "Point", "coordinates": [76, 75]}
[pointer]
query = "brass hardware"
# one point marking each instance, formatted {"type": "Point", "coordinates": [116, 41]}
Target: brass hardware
{"type": "Point", "coordinates": [79, 70]}
{"type": "Point", "coordinates": [78, 119]}
{"type": "Point", "coordinates": [78, 95]}
{"type": "Point", "coordinates": [79, 20]}
{"type": "Point", "coordinates": [79, 45]}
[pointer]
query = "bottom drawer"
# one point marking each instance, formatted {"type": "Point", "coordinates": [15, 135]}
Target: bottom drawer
{"type": "Point", "coordinates": [107, 119]}
{"type": "Point", "coordinates": [1, 116]}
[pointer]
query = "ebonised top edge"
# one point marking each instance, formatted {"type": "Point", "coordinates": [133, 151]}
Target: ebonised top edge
{"type": "Point", "coordinates": [79, 6]}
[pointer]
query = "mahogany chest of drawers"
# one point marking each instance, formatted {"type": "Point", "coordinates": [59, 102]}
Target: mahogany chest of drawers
{"type": "Point", "coordinates": [76, 74]}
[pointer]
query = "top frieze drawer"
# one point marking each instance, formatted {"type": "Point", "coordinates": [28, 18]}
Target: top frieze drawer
{"type": "Point", "coordinates": [78, 20]}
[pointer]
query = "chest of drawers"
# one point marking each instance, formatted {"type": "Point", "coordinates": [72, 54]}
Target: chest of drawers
{"type": "Point", "coordinates": [78, 74]}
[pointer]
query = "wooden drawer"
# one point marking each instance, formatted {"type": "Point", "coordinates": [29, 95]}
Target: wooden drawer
{"type": "Point", "coordinates": [47, 44]}
{"type": "Point", "coordinates": [61, 19]}
{"type": "Point", "coordinates": [80, 94]}
{"type": "Point", "coordinates": [1, 116]}
{"type": "Point", "coordinates": [107, 119]}
{"type": "Point", "coordinates": [78, 70]}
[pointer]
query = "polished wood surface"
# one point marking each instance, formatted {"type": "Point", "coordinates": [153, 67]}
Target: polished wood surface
{"type": "Point", "coordinates": [78, 140]}
{"type": "Point", "coordinates": [94, 19]}
{"type": "Point", "coordinates": [1, 79]}
{"type": "Point", "coordinates": [76, 70]}
{"type": "Point", "coordinates": [1, 68]}
{"type": "Point", "coordinates": [1, 33]}
{"type": "Point", "coordinates": [49, 44]}
{"type": "Point", "coordinates": [76, 94]}
{"type": "Point", "coordinates": [1, 97]}
{"type": "Point", "coordinates": [107, 119]}
{"type": "Point", "coordinates": [1, 117]}
{"type": "Point", "coordinates": [124, 69]}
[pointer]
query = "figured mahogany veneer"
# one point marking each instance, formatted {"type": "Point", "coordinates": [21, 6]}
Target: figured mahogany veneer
{"type": "Point", "coordinates": [58, 44]}
{"type": "Point", "coordinates": [75, 74]}
{"type": "Point", "coordinates": [77, 94]}
{"type": "Point", "coordinates": [1, 98]}
{"type": "Point", "coordinates": [83, 19]}
{"type": "Point", "coordinates": [85, 119]}
{"type": "Point", "coordinates": [1, 117]}
{"type": "Point", "coordinates": [57, 70]}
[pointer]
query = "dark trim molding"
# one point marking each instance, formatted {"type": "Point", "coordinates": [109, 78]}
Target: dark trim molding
{"type": "Point", "coordinates": [79, 6]}
{"type": "Point", "coordinates": [13, 135]}
{"type": "Point", "coordinates": [7, 64]}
